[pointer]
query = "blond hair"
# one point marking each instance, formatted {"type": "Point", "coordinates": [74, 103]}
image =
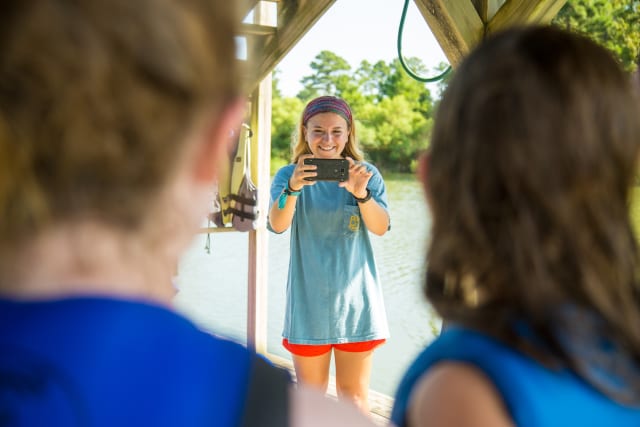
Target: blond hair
{"type": "Point", "coordinates": [300, 146]}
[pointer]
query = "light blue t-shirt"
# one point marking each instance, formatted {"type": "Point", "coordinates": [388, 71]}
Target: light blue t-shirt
{"type": "Point", "coordinates": [333, 289]}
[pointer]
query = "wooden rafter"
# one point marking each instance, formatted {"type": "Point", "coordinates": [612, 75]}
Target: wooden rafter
{"type": "Point", "coordinates": [487, 8]}
{"type": "Point", "coordinates": [258, 30]}
{"type": "Point", "coordinates": [459, 25]}
{"type": "Point", "coordinates": [247, 6]}
{"type": "Point", "coordinates": [294, 19]}
{"type": "Point", "coordinates": [455, 24]}
{"type": "Point", "coordinates": [518, 12]}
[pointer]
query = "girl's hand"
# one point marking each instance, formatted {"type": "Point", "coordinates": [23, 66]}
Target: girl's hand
{"type": "Point", "coordinates": [302, 171]}
{"type": "Point", "coordinates": [358, 179]}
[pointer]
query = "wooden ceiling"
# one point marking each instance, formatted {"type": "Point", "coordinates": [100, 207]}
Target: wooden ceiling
{"type": "Point", "coordinates": [272, 28]}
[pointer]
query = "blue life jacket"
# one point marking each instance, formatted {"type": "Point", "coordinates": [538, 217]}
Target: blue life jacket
{"type": "Point", "coordinates": [105, 362]}
{"type": "Point", "coordinates": [534, 395]}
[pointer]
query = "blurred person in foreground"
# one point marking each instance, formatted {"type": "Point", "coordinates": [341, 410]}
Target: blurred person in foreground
{"type": "Point", "coordinates": [113, 115]}
{"type": "Point", "coordinates": [532, 259]}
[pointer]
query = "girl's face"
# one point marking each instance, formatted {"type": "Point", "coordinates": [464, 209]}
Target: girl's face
{"type": "Point", "coordinates": [326, 134]}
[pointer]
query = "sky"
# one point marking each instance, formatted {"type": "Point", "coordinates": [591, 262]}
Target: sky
{"type": "Point", "coordinates": [359, 30]}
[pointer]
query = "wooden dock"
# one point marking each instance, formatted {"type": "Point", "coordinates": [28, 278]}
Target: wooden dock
{"type": "Point", "coordinates": [380, 404]}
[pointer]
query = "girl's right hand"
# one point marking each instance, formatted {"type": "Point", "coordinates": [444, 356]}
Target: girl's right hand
{"type": "Point", "coordinates": [302, 171]}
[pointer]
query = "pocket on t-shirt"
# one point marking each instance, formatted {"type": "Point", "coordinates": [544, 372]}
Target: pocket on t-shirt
{"type": "Point", "coordinates": [352, 222]}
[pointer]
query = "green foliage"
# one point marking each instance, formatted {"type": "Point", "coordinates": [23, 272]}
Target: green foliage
{"type": "Point", "coordinates": [398, 83]}
{"type": "Point", "coordinates": [396, 131]}
{"type": "Point", "coordinates": [394, 112]}
{"type": "Point", "coordinates": [285, 113]}
{"type": "Point", "coordinates": [615, 24]}
{"type": "Point", "coordinates": [275, 84]}
{"type": "Point", "coordinates": [444, 82]}
{"type": "Point", "coordinates": [367, 77]}
{"type": "Point", "coordinates": [277, 163]}
{"type": "Point", "coordinates": [331, 76]}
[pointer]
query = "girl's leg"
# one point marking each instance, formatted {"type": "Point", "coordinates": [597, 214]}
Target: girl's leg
{"type": "Point", "coordinates": [353, 372]}
{"type": "Point", "coordinates": [313, 370]}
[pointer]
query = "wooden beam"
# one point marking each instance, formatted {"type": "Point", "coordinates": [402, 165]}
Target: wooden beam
{"type": "Point", "coordinates": [246, 6]}
{"type": "Point", "coordinates": [295, 18]}
{"type": "Point", "coordinates": [487, 8]}
{"type": "Point", "coordinates": [257, 30]}
{"type": "Point", "coordinates": [455, 24]}
{"type": "Point", "coordinates": [518, 12]}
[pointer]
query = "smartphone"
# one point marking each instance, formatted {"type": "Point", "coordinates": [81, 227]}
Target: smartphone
{"type": "Point", "coordinates": [329, 169]}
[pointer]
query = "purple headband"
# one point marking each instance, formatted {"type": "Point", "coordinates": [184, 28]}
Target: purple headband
{"type": "Point", "coordinates": [327, 104]}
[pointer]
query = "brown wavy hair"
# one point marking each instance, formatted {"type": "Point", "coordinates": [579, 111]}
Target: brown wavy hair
{"type": "Point", "coordinates": [95, 99]}
{"type": "Point", "coordinates": [532, 158]}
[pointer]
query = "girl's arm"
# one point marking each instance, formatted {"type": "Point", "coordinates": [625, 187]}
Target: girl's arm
{"type": "Point", "coordinates": [284, 206]}
{"type": "Point", "coordinates": [280, 217]}
{"type": "Point", "coordinates": [375, 217]}
{"type": "Point", "coordinates": [453, 394]}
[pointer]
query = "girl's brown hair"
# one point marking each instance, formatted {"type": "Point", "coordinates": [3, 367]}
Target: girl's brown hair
{"type": "Point", "coordinates": [532, 158]}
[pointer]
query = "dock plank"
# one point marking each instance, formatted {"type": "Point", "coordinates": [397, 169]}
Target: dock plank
{"type": "Point", "coordinates": [380, 404]}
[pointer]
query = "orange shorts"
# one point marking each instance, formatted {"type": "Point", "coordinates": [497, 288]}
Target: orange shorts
{"type": "Point", "coordinates": [317, 350]}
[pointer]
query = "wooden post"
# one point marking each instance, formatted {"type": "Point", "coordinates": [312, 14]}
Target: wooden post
{"type": "Point", "coordinates": [258, 239]}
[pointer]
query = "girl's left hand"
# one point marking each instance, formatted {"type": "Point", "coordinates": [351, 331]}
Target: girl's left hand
{"type": "Point", "coordinates": [358, 179]}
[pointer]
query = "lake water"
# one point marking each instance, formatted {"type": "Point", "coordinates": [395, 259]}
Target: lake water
{"type": "Point", "coordinates": [213, 287]}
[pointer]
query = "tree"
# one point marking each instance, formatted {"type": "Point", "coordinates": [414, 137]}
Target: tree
{"type": "Point", "coordinates": [331, 76]}
{"type": "Point", "coordinates": [393, 110]}
{"type": "Point", "coordinates": [392, 132]}
{"type": "Point", "coordinates": [285, 113]}
{"type": "Point", "coordinates": [275, 84]}
{"type": "Point", "coordinates": [615, 24]}
{"type": "Point", "coordinates": [444, 81]}
{"type": "Point", "coordinates": [398, 82]}
{"type": "Point", "coordinates": [368, 76]}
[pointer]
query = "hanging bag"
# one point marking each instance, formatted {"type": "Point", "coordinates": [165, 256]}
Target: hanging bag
{"type": "Point", "coordinates": [244, 194]}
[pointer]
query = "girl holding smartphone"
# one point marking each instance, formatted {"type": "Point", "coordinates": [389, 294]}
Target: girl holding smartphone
{"type": "Point", "coordinates": [334, 297]}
